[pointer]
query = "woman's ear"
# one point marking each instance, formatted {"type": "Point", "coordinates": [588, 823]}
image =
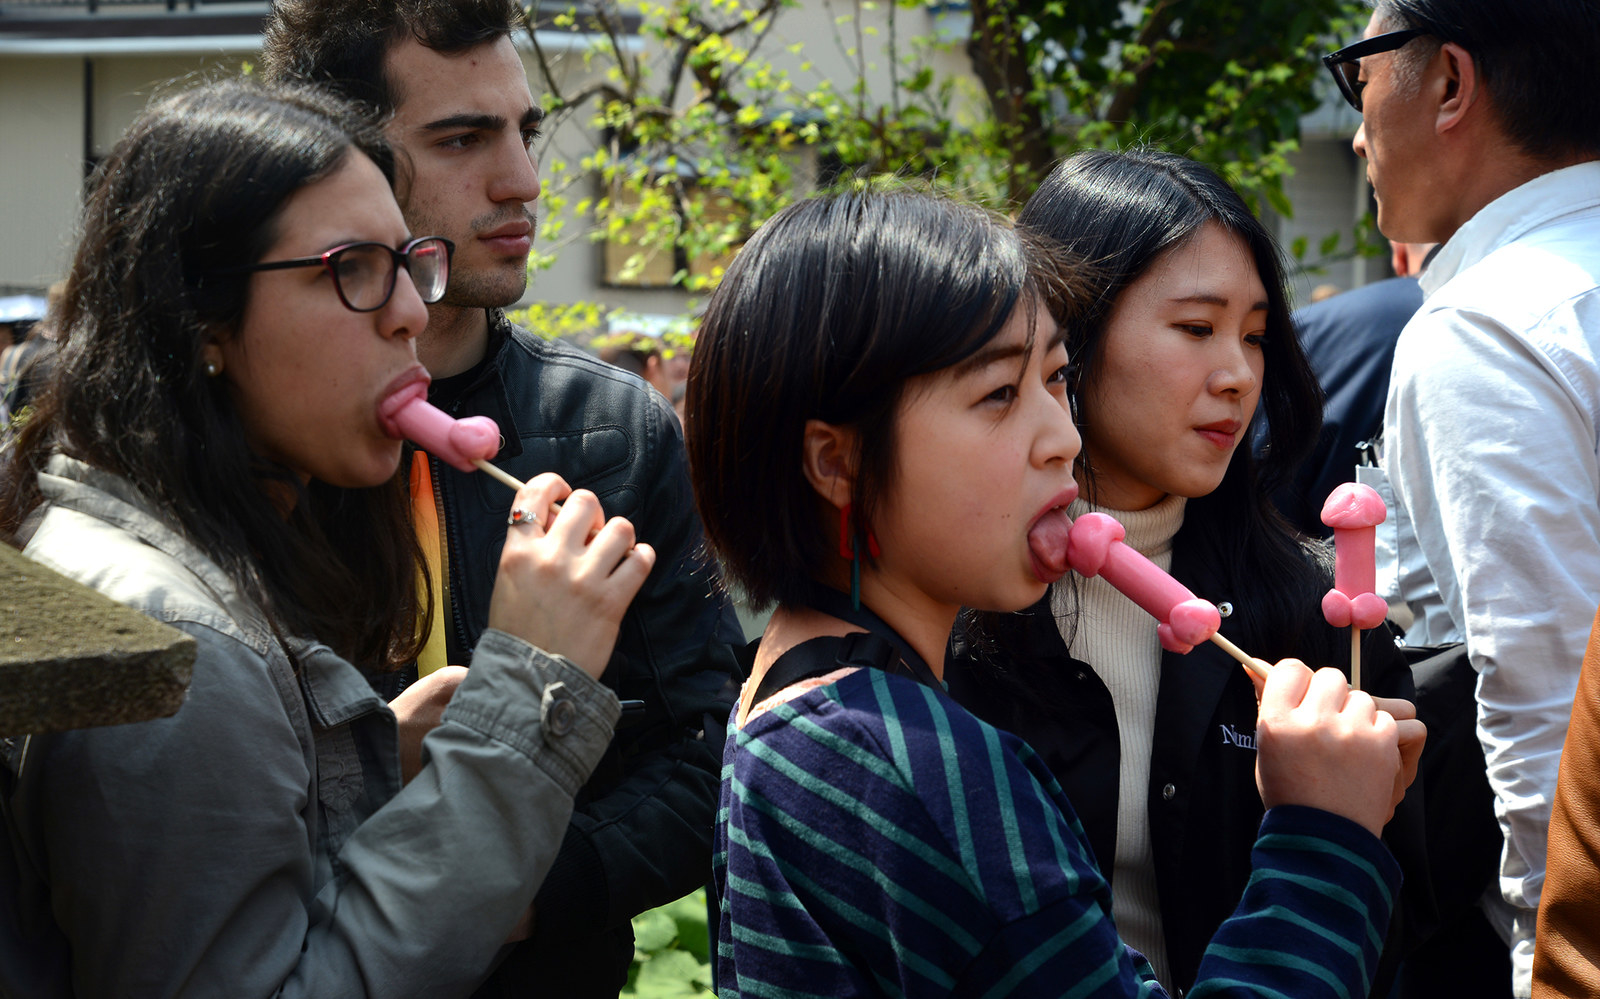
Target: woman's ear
{"type": "Point", "coordinates": [828, 454]}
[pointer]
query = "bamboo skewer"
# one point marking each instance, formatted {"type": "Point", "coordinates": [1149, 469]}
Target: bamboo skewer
{"type": "Point", "coordinates": [497, 472]}
{"type": "Point", "coordinates": [1355, 657]}
{"type": "Point", "coordinates": [1253, 665]}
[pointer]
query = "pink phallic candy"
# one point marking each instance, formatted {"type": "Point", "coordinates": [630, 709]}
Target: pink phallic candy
{"type": "Point", "coordinates": [407, 413]}
{"type": "Point", "coordinates": [1354, 510]}
{"type": "Point", "coordinates": [1095, 548]}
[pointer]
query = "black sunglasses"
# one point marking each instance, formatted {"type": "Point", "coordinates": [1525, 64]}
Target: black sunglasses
{"type": "Point", "coordinates": [364, 273]}
{"type": "Point", "coordinates": [1345, 64]}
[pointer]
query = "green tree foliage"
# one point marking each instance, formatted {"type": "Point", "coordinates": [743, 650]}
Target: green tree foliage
{"type": "Point", "coordinates": [671, 951]}
{"type": "Point", "coordinates": [705, 124]}
{"type": "Point", "coordinates": [1224, 82]}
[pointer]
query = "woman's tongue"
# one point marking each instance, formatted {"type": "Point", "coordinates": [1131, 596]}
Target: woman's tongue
{"type": "Point", "coordinates": [1047, 540]}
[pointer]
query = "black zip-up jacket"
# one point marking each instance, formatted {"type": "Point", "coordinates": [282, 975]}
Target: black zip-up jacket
{"type": "Point", "coordinates": [1204, 807]}
{"type": "Point", "coordinates": [641, 829]}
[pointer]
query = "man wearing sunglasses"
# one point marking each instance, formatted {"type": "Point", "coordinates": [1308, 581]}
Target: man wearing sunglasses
{"type": "Point", "coordinates": [463, 122]}
{"type": "Point", "coordinates": [1481, 130]}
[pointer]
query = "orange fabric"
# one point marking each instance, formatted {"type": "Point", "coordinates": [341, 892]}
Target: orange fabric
{"type": "Point", "coordinates": [425, 516]}
{"type": "Point", "coordinates": [1566, 958]}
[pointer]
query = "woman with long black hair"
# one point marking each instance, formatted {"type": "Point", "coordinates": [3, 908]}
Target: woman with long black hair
{"type": "Point", "coordinates": [879, 434]}
{"type": "Point", "coordinates": [1184, 346]}
{"type": "Point", "coordinates": [212, 451]}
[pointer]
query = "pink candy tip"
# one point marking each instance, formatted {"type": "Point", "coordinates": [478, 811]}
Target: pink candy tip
{"type": "Point", "coordinates": [1354, 505]}
{"type": "Point", "coordinates": [407, 413]}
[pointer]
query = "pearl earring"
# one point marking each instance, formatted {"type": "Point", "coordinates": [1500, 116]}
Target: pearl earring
{"type": "Point", "coordinates": [211, 369]}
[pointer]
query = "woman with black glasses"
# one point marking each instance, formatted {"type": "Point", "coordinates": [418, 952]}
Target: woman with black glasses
{"type": "Point", "coordinates": [243, 299]}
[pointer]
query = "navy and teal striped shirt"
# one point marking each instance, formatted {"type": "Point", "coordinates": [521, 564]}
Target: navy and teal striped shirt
{"type": "Point", "coordinates": [874, 838]}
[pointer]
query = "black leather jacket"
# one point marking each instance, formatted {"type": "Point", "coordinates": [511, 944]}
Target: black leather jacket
{"type": "Point", "coordinates": [1204, 807]}
{"type": "Point", "coordinates": [641, 831]}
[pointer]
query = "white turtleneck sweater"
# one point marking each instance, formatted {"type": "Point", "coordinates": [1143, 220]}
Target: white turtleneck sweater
{"type": "Point", "coordinates": [1119, 641]}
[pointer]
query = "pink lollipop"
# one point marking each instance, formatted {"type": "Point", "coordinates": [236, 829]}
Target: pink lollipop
{"type": "Point", "coordinates": [1095, 548]}
{"type": "Point", "coordinates": [1354, 510]}
{"type": "Point", "coordinates": [465, 444]}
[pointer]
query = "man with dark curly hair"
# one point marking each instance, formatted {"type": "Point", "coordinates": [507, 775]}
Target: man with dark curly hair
{"type": "Point", "coordinates": [462, 118]}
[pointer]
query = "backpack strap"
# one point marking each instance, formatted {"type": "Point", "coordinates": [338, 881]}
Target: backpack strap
{"type": "Point", "coordinates": [821, 656]}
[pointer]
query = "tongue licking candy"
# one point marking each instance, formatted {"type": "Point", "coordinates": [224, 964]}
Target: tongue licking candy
{"type": "Point", "coordinates": [1095, 548]}
{"type": "Point", "coordinates": [407, 413]}
{"type": "Point", "coordinates": [1048, 541]}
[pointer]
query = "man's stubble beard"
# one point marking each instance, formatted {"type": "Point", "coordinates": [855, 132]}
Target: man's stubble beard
{"type": "Point", "coordinates": [497, 286]}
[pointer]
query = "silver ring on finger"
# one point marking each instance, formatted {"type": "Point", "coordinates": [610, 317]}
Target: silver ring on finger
{"type": "Point", "coordinates": [520, 516]}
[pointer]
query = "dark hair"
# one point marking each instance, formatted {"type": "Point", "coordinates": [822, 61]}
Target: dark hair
{"type": "Point", "coordinates": [1536, 58]}
{"type": "Point", "coordinates": [341, 44]}
{"type": "Point", "coordinates": [196, 185]}
{"type": "Point", "coordinates": [825, 314]}
{"type": "Point", "coordinates": [1122, 212]}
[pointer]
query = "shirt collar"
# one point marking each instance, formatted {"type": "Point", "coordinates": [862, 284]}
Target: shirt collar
{"type": "Point", "coordinates": [1512, 216]}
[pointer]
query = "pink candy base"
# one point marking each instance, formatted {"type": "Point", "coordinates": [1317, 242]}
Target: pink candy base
{"type": "Point", "coordinates": [1364, 610]}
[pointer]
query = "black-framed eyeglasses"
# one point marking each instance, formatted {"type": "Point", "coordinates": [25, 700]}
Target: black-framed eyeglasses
{"type": "Point", "coordinates": [1345, 64]}
{"type": "Point", "coordinates": [364, 273]}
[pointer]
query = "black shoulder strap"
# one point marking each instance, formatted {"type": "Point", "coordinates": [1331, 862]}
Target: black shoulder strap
{"type": "Point", "coordinates": [906, 660]}
{"type": "Point", "coordinates": [821, 656]}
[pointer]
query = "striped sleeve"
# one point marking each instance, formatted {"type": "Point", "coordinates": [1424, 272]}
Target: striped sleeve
{"type": "Point", "coordinates": [1313, 916]}
{"type": "Point", "coordinates": [876, 839]}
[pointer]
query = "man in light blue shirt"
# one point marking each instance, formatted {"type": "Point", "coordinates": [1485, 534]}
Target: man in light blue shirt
{"type": "Point", "coordinates": [1480, 131]}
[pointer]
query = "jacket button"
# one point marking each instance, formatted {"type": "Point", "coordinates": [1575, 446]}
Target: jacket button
{"type": "Point", "coordinates": [560, 717]}
{"type": "Point", "coordinates": [1167, 791]}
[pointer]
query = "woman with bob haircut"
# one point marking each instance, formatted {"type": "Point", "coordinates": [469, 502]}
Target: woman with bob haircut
{"type": "Point", "coordinates": [243, 297]}
{"type": "Point", "coordinates": [879, 434]}
{"type": "Point", "coordinates": [1184, 340]}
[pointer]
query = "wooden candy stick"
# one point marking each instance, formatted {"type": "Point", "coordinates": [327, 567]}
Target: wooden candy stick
{"type": "Point", "coordinates": [499, 474]}
{"type": "Point", "coordinates": [1254, 665]}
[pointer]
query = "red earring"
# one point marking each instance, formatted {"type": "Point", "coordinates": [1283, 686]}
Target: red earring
{"type": "Point", "coordinates": [847, 548]}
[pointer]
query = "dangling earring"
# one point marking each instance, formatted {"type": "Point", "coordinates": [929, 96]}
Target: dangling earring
{"type": "Point", "coordinates": [850, 550]}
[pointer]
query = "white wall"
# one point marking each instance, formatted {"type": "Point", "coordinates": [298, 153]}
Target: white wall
{"type": "Point", "coordinates": [41, 145]}
{"type": "Point", "coordinates": [41, 167]}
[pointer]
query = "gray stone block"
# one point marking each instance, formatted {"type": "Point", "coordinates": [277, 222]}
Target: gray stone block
{"type": "Point", "coordinates": [71, 657]}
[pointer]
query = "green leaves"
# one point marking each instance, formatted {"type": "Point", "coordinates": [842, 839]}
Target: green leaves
{"type": "Point", "coordinates": [706, 117]}
{"type": "Point", "coordinates": [671, 950]}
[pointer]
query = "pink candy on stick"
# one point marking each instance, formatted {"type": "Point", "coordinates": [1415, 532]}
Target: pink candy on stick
{"type": "Point", "coordinates": [1095, 548]}
{"type": "Point", "coordinates": [465, 444]}
{"type": "Point", "coordinates": [1354, 510]}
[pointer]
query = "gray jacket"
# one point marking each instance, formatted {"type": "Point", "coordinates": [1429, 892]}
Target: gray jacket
{"type": "Point", "coordinates": [259, 842]}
